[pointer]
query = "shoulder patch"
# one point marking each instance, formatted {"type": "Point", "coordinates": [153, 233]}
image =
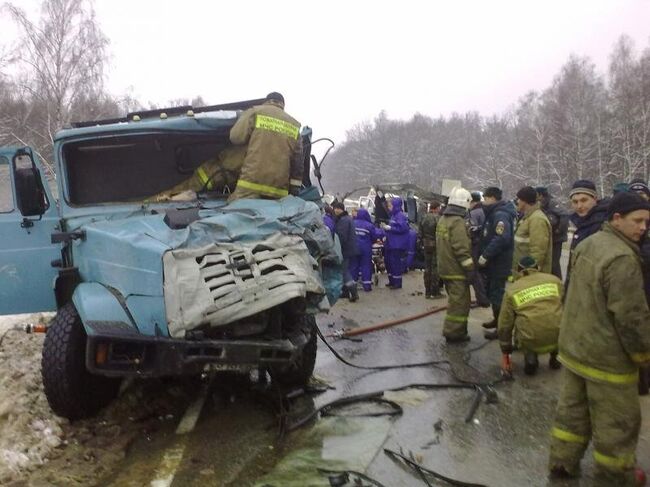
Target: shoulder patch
{"type": "Point", "coordinates": [500, 228]}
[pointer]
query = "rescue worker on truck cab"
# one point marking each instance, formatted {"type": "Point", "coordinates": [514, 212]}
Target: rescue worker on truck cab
{"type": "Point", "coordinates": [531, 311]}
{"type": "Point", "coordinates": [273, 166]}
{"type": "Point", "coordinates": [533, 235]}
{"type": "Point", "coordinates": [604, 337]}
{"type": "Point", "coordinates": [219, 173]}
{"type": "Point", "coordinates": [455, 263]}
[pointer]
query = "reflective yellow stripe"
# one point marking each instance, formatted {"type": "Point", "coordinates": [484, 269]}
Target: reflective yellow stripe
{"type": "Point", "coordinates": [456, 318]}
{"type": "Point", "coordinates": [522, 239]}
{"type": "Point", "coordinates": [265, 122]}
{"type": "Point", "coordinates": [565, 435]}
{"type": "Point", "coordinates": [295, 182]}
{"type": "Point", "coordinates": [621, 462]}
{"type": "Point", "coordinates": [536, 292]}
{"type": "Point", "coordinates": [641, 357]}
{"type": "Point", "coordinates": [262, 188]}
{"type": "Point", "coordinates": [546, 349]}
{"type": "Point", "coordinates": [204, 177]}
{"type": "Point", "coordinates": [453, 277]}
{"type": "Point", "coordinates": [592, 373]}
{"type": "Point", "coordinates": [467, 262]}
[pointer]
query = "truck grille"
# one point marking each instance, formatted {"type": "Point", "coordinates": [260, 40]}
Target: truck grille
{"type": "Point", "coordinates": [227, 282]}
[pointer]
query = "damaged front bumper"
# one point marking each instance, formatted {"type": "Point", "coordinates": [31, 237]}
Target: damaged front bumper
{"type": "Point", "coordinates": [133, 355]}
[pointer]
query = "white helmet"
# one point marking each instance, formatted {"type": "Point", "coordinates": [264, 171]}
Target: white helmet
{"type": "Point", "coordinates": [460, 197]}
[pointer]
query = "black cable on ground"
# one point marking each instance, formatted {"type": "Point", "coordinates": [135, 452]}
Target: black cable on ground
{"type": "Point", "coordinates": [375, 397]}
{"type": "Point", "coordinates": [432, 363]}
{"type": "Point", "coordinates": [360, 475]}
{"type": "Point", "coordinates": [422, 470]}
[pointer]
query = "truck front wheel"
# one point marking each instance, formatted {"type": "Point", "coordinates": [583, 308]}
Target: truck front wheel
{"type": "Point", "coordinates": [299, 372]}
{"type": "Point", "coordinates": [71, 390]}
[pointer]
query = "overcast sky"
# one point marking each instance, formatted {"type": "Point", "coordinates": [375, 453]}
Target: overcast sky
{"type": "Point", "coordinates": [341, 62]}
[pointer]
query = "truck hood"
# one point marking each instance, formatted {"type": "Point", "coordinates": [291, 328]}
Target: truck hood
{"type": "Point", "coordinates": [126, 251]}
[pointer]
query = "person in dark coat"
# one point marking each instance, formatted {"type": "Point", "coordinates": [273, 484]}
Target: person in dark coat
{"type": "Point", "coordinates": [411, 251]}
{"type": "Point", "coordinates": [559, 220]}
{"type": "Point", "coordinates": [397, 238]}
{"type": "Point", "coordinates": [475, 222]}
{"type": "Point", "coordinates": [496, 250]}
{"type": "Point", "coordinates": [328, 218]}
{"type": "Point", "coordinates": [344, 229]}
{"type": "Point", "coordinates": [639, 187]}
{"type": "Point", "coordinates": [366, 234]}
{"type": "Point", "coordinates": [588, 217]}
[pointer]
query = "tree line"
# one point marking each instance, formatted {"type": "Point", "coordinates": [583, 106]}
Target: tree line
{"type": "Point", "coordinates": [585, 125]}
{"type": "Point", "coordinates": [55, 74]}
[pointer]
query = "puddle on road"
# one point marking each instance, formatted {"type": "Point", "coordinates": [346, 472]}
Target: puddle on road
{"type": "Point", "coordinates": [335, 443]}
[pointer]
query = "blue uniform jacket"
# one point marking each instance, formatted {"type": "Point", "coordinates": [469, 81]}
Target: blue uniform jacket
{"type": "Point", "coordinates": [497, 243]}
{"type": "Point", "coordinates": [397, 238]}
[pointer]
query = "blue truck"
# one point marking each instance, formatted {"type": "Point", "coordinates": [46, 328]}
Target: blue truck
{"type": "Point", "coordinates": [152, 289]}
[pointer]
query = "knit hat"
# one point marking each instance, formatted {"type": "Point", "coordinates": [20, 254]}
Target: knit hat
{"type": "Point", "coordinates": [528, 195]}
{"type": "Point", "coordinates": [493, 192]}
{"type": "Point", "coordinates": [584, 186]}
{"type": "Point", "coordinates": [274, 95]}
{"type": "Point", "coordinates": [527, 262]}
{"type": "Point", "coordinates": [620, 188]}
{"type": "Point", "coordinates": [639, 187]}
{"type": "Point", "coordinates": [624, 203]}
{"type": "Point", "coordinates": [541, 190]}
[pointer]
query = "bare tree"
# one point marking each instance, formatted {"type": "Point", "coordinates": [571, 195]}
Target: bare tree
{"type": "Point", "coordinates": [61, 59]}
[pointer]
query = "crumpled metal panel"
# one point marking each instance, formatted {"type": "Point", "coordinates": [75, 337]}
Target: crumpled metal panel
{"type": "Point", "coordinates": [225, 282]}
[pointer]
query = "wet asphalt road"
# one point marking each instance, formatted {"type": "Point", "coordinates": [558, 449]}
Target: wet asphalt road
{"type": "Point", "coordinates": [235, 440]}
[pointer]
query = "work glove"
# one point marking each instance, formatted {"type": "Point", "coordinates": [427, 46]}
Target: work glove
{"type": "Point", "coordinates": [482, 261]}
{"type": "Point", "coordinates": [385, 227]}
{"type": "Point", "coordinates": [187, 195]}
{"type": "Point", "coordinates": [506, 366]}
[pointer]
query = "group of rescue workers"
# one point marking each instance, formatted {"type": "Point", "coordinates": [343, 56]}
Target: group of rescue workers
{"type": "Point", "coordinates": [596, 324]}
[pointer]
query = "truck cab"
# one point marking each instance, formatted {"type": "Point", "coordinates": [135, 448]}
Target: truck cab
{"type": "Point", "coordinates": [149, 287]}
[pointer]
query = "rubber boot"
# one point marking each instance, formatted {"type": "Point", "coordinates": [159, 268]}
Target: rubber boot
{"type": "Point", "coordinates": [644, 380]}
{"type": "Point", "coordinates": [553, 362]}
{"type": "Point", "coordinates": [530, 363]}
{"type": "Point", "coordinates": [488, 325]}
{"type": "Point", "coordinates": [354, 294]}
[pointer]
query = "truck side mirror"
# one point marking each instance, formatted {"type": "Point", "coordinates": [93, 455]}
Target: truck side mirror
{"type": "Point", "coordinates": [30, 195]}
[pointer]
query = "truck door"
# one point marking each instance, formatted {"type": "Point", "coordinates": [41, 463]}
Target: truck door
{"type": "Point", "coordinates": [28, 217]}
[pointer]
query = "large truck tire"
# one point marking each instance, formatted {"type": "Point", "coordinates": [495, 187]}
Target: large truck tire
{"type": "Point", "coordinates": [299, 372]}
{"type": "Point", "coordinates": [71, 390]}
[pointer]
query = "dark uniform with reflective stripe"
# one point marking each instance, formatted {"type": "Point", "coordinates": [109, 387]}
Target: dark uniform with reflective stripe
{"type": "Point", "coordinates": [454, 253]}
{"type": "Point", "coordinates": [273, 160]}
{"type": "Point", "coordinates": [532, 309]}
{"type": "Point", "coordinates": [604, 336]}
{"type": "Point", "coordinates": [427, 230]}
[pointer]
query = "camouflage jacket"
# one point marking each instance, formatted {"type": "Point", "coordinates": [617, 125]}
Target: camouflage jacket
{"type": "Point", "coordinates": [534, 237]}
{"type": "Point", "coordinates": [532, 308]}
{"type": "Point", "coordinates": [453, 246]}
{"type": "Point", "coordinates": [605, 329]}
